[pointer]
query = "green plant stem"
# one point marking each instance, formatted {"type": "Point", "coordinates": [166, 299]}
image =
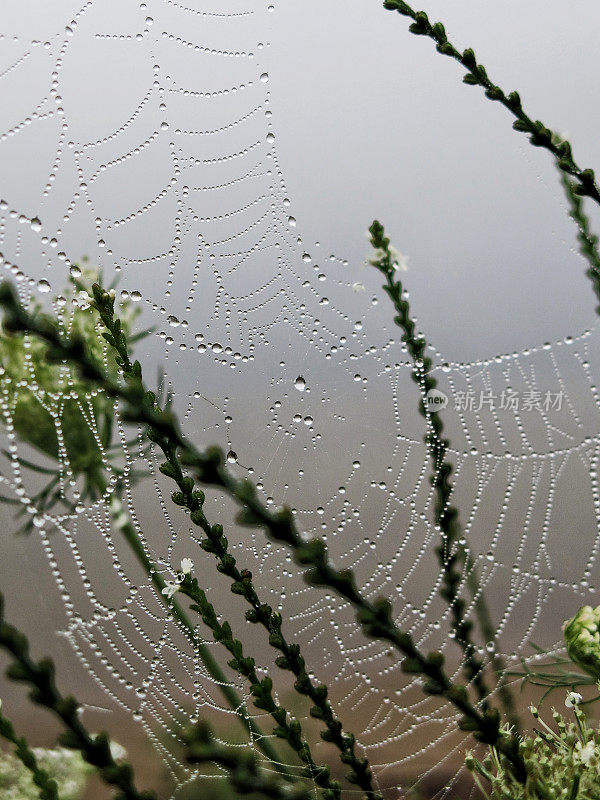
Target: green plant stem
{"type": "Point", "coordinates": [261, 690]}
{"type": "Point", "coordinates": [242, 767]}
{"type": "Point", "coordinates": [216, 543]}
{"type": "Point", "coordinates": [453, 548]}
{"type": "Point", "coordinates": [575, 787]}
{"type": "Point", "coordinates": [291, 658]}
{"type": "Point", "coordinates": [47, 785]}
{"type": "Point", "coordinates": [539, 134]}
{"type": "Point", "coordinates": [588, 241]}
{"type": "Point", "coordinates": [131, 536]}
{"type": "Point", "coordinates": [40, 677]}
{"type": "Point", "coordinates": [374, 617]}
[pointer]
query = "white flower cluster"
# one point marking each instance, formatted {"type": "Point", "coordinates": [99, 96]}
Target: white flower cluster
{"type": "Point", "coordinates": [187, 565]}
{"type": "Point", "coordinates": [82, 300]}
{"type": "Point", "coordinates": [573, 699]}
{"type": "Point", "coordinates": [561, 761]}
{"type": "Point", "coordinates": [398, 259]}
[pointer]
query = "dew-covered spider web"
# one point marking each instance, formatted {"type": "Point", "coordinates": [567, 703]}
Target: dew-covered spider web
{"type": "Point", "coordinates": [222, 161]}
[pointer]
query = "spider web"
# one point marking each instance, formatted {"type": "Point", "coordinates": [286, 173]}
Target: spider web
{"type": "Point", "coordinates": [165, 170]}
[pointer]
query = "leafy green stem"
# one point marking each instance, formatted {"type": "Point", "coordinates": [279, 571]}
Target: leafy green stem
{"type": "Point", "coordinates": [47, 786]}
{"type": "Point", "coordinates": [374, 617]}
{"type": "Point", "coordinates": [452, 549]}
{"type": "Point", "coordinates": [241, 580]}
{"type": "Point", "coordinates": [242, 767]}
{"type": "Point", "coordinates": [539, 134]}
{"type": "Point", "coordinates": [291, 658]}
{"type": "Point", "coordinates": [588, 241]}
{"type": "Point", "coordinates": [261, 689]}
{"type": "Point", "coordinates": [40, 677]}
{"type": "Point", "coordinates": [131, 536]}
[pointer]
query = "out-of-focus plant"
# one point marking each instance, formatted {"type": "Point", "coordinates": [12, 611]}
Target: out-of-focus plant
{"type": "Point", "coordinates": [242, 767]}
{"type": "Point", "coordinates": [94, 748]}
{"type": "Point", "coordinates": [64, 766]}
{"type": "Point", "coordinates": [48, 406]}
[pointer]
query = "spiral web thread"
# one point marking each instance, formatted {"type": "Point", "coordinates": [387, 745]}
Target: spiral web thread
{"type": "Point", "coordinates": [174, 183]}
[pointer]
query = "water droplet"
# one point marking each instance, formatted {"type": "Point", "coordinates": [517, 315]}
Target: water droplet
{"type": "Point", "coordinates": [232, 457]}
{"type": "Point", "coordinates": [38, 521]}
{"type": "Point", "coordinates": [43, 286]}
{"type": "Point", "coordinates": [264, 77]}
{"type": "Point", "coordinates": [173, 321]}
{"type": "Point", "coordinates": [136, 297]}
{"type": "Point", "coordinates": [292, 222]}
{"type": "Point", "coordinates": [270, 137]}
{"type": "Point", "coordinates": [300, 383]}
{"type": "Point", "coordinates": [36, 224]}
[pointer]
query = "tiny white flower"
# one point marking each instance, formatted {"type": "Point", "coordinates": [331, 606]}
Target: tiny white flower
{"type": "Point", "coordinates": [399, 260]}
{"type": "Point", "coordinates": [585, 753]}
{"type": "Point", "coordinates": [112, 293]}
{"type": "Point", "coordinates": [117, 751]}
{"type": "Point", "coordinates": [170, 589]}
{"type": "Point", "coordinates": [82, 300]}
{"type": "Point", "coordinates": [187, 565]}
{"type": "Point", "coordinates": [358, 287]}
{"type": "Point", "coordinates": [573, 699]}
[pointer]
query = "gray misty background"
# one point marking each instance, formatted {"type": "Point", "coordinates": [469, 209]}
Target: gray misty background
{"type": "Point", "coordinates": [225, 162]}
